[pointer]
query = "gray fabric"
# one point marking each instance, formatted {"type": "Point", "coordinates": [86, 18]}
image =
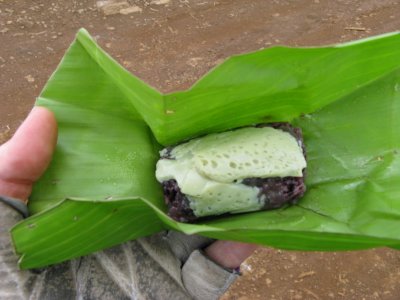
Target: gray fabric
{"type": "Point", "coordinates": [183, 245]}
{"type": "Point", "coordinates": [16, 204]}
{"type": "Point", "coordinates": [204, 279]}
{"type": "Point", "coordinates": [148, 268]}
{"type": "Point", "coordinates": [13, 284]}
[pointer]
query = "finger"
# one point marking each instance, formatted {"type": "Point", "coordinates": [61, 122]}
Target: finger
{"type": "Point", "coordinates": [25, 157]}
{"type": "Point", "coordinates": [229, 254]}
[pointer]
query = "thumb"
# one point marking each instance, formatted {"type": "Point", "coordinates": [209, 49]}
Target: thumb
{"type": "Point", "coordinates": [25, 157]}
{"type": "Point", "coordinates": [229, 254]}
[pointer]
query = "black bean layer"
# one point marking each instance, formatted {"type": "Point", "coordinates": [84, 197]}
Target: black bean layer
{"type": "Point", "coordinates": [178, 204]}
{"type": "Point", "coordinates": [278, 191]}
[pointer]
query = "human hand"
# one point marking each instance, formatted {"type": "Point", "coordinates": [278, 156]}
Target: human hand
{"type": "Point", "coordinates": [25, 157]}
{"type": "Point", "coordinates": [229, 254]}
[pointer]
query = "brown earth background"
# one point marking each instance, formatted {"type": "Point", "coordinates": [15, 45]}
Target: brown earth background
{"type": "Point", "coordinates": [170, 44]}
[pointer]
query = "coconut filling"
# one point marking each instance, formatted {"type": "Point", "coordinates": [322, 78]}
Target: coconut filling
{"type": "Point", "coordinates": [209, 170]}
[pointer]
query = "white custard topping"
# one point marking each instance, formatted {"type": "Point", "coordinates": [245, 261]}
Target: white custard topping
{"type": "Point", "coordinates": [209, 170]}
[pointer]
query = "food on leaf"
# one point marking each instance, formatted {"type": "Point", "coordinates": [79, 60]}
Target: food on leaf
{"type": "Point", "coordinates": [247, 169]}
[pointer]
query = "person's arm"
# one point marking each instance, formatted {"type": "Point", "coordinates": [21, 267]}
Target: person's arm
{"type": "Point", "coordinates": [205, 274]}
{"type": "Point", "coordinates": [23, 159]}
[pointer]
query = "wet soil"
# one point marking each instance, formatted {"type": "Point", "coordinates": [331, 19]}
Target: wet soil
{"type": "Point", "coordinates": [170, 44]}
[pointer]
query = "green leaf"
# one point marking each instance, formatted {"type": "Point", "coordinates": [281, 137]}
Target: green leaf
{"type": "Point", "coordinates": [100, 189]}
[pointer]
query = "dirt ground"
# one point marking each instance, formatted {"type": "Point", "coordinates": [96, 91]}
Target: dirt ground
{"type": "Point", "coordinates": [170, 44]}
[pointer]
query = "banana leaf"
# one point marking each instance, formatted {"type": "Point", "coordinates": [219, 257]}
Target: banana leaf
{"type": "Point", "coordinates": [100, 189]}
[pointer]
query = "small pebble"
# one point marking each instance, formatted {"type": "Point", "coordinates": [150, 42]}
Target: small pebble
{"type": "Point", "coordinates": [30, 78]}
